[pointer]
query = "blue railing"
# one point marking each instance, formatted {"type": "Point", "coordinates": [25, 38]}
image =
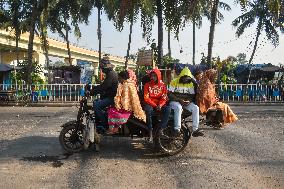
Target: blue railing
{"type": "Point", "coordinates": [251, 92]}
{"type": "Point", "coordinates": [73, 92]}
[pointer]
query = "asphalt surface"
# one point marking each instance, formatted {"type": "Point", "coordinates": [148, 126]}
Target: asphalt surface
{"type": "Point", "coordinates": [246, 154]}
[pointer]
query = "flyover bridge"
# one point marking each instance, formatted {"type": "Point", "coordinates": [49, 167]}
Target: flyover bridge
{"type": "Point", "coordinates": [56, 49]}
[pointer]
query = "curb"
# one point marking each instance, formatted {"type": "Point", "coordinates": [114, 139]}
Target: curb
{"type": "Point", "coordinates": [255, 103]}
{"type": "Point", "coordinates": [48, 104]}
{"type": "Point", "coordinates": [71, 104]}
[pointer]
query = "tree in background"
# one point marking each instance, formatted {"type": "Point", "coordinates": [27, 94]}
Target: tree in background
{"type": "Point", "coordinates": [260, 11]}
{"type": "Point", "coordinates": [241, 58]}
{"type": "Point", "coordinates": [215, 17]}
{"type": "Point", "coordinates": [23, 74]}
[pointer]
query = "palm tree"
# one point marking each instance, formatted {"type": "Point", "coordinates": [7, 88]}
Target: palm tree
{"type": "Point", "coordinates": [129, 42]}
{"type": "Point", "coordinates": [32, 26]}
{"type": "Point", "coordinates": [98, 4]}
{"type": "Point", "coordinates": [260, 11]}
{"type": "Point", "coordinates": [128, 10]}
{"type": "Point", "coordinates": [64, 12]}
{"type": "Point", "coordinates": [160, 30]}
{"type": "Point", "coordinates": [15, 10]}
{"type": "Point", "coordinates": [169, 43]}
{"type": "Point", "coordinates": [43, 37]}
{"type": "Point", "coordinates": [214, 17]}
{"type": "Point", "coordinates": [10, 18]}
{"type": "Point", "coordinates": [199, 9]}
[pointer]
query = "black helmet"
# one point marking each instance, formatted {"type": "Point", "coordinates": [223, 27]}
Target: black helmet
{"type": "Point", "coordinates": [104, 62]}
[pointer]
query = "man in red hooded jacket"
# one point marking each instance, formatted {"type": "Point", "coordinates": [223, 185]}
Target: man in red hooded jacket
{"type": "Point", "coordinates": [155, 98]}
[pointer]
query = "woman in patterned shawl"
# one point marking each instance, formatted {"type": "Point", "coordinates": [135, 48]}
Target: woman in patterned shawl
{"type": "Point", "coordinates": [127, 97]}
{"type": "Point", "coordinates": [207, 98]}
{"type": "Point", "coordinates": [206, 95]}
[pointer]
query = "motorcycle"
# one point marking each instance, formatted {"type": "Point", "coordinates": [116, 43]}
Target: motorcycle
{"type": "Point", "coordinates": [83, 132]}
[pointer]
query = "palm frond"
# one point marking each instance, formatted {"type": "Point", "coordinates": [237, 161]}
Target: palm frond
{"type": "Point", "coordinates": [271, 33]}
{"type": "Point", "coordinates": [243, 18]}
{"type": "Point", "coordinates": [247, 23]}
{"type": "Point", "coordinates": [224, 6]}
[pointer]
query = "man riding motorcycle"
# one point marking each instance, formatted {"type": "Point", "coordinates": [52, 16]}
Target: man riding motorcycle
{"type": "Point", "coordinates": [107, 90]}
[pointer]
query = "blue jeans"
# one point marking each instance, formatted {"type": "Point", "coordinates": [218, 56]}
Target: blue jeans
{"type": "Point", "coordinates": [100, 109]}
{"type": "Point", "coordinates": [177, 107]}
{"type": "Point", "coordinates": [165, 110]}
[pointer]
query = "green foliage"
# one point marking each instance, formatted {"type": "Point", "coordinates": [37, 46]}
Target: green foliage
{"type": "Point", "coordinates": [154, 48]}
{"type": "Point", "coordinates": [96, 79]}
{"type": "Point", "coordinates": [119, 68]}
{"type": "Point", "coordinates": [258, 11]}
{"type": "Point", "coordinates": [170, 60]}
{"type": "Point", "coordinates": [141, 72]}
{"type": "Point", "coordinates": [241, 58]}
{"type": "Point", "coordinates": [22, 74]}
{"type": "Point", "coordinates": [225, 69]}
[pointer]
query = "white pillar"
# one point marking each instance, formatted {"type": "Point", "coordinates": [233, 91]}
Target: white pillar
{"type": "Point", "coordinates": [73, 61]}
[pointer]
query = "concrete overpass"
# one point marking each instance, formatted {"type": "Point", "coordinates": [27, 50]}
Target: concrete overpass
{"type": "Point", "coordinates": [56, 49]}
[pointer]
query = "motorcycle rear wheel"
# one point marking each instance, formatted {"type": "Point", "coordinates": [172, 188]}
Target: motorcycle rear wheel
{"type": "Point", "coordinates": [70, 140]}
{"type": "Point", "coordinates": [170, 145]}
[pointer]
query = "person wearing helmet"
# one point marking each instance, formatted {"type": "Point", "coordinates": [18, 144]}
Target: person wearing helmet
{"type": "Point", "coordinates": [107, 90]}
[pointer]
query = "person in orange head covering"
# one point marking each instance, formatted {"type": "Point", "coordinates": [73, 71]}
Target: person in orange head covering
{"type": "Point", "coordinates": [208, 100]}
{"type": "Point", "coordinates": [206, 95]}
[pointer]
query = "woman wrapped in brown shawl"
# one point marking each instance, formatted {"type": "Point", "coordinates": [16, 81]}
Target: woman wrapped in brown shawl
{"type": "Point", "coordinates": [207, 99]}
{"type": "Point", "coordinates": [127, 97]}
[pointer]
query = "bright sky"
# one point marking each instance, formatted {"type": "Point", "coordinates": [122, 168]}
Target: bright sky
{"type": "Point", "coordinates": [225, 41]}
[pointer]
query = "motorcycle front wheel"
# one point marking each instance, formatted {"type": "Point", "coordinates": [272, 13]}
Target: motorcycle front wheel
{"type": "Point", "coordinates": [71, 138]}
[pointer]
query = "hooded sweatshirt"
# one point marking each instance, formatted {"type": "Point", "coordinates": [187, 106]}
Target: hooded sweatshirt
{"type": "Point", "coordinates": [155, 93]}
{"type": "Point", "coordinates": [183, 91]}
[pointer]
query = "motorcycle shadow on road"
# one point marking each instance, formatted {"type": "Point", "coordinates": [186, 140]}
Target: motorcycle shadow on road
{"type": "Point", "coordinates": [47, 149]}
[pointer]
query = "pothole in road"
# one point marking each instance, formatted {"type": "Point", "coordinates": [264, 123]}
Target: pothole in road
{"type": "Point", "coordinates": [56, 161]}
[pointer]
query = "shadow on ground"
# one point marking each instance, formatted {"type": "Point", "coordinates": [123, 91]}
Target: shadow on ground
{"type": "Point", "coordinates": [48, 149]}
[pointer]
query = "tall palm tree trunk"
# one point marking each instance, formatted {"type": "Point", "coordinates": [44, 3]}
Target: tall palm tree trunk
{"type": "Point", "coordinates": [129, 42]}
{"type": "Point", "coordinates": [160, 31]}
{"type": "Point", "coordinates": [259, 25]}
{"type": "Point", "coordinates": [43, 34]}
{"type": "Point", "coordinates": [45, 49]}
{"type": "Point", "coordinates": [67, 40]}
{"type": "Point", "coordinates": [169, 43]}
{"type": "Point", "coordinates": [193, 41]}
{"type": "Point", "coordinates": [45, 45]}
{"type": "Point", "coordinates": [31, 40]}
{"type": "Point", "coordinates": [212, 30]}
{"type": "Point", "coordinates": [15, 12]}
{"type": "Point", "coordinates": [99, 32]}
{"type": "Point", "coordinates": [18, 34]}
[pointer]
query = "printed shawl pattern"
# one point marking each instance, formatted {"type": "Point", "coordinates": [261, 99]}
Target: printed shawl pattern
{"type": "Point", "coordinates": [127, 99]}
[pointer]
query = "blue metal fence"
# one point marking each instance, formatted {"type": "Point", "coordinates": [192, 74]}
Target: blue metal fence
{"type": "Point", "coordinates": [73, 92]}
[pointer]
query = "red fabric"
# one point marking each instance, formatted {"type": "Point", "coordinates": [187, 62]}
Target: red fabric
{"type": "Point", "coordinates": [155, 94]}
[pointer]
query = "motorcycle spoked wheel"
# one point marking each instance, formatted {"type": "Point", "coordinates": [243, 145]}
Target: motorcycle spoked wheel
{"type": "Point", "coordinates": [170, 145]}
{"type": "Point", "coordinates": [70, 140]}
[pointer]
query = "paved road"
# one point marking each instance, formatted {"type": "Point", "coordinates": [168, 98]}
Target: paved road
{"type": "Point", "coordinates": [247, 154]}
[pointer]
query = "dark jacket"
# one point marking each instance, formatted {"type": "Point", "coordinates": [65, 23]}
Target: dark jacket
{"type": "Point", "coordinates": [108, 87]}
